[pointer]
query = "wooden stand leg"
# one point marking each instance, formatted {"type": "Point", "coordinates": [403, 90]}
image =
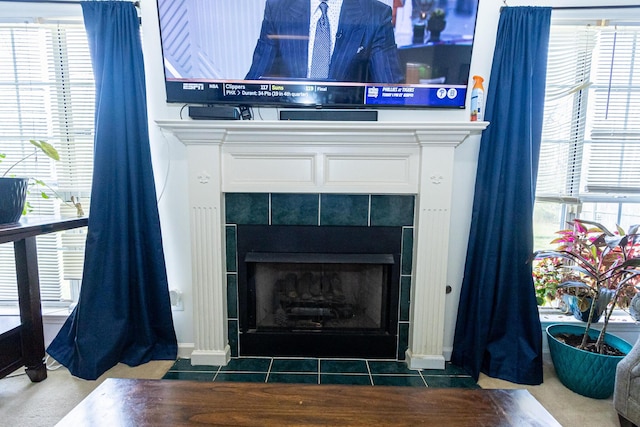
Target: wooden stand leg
{"type": "Point", "coordinates": [37, 374]}
{"type": "Point", "coordinates": [30, 309]}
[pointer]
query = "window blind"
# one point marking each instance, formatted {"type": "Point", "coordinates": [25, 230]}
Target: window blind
{"type": "Point", "coordinates": [613, 146]}
{"type": "Point", "coordinates": [47, 92]}
{"type": "Point", "coordinates": [591, 133]}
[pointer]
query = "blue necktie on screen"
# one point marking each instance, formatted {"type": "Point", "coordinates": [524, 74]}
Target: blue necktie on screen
{"type": "Point", "coordinates": [321, 46]}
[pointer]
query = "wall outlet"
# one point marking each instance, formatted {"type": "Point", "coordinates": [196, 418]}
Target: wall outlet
{"type": "Point", "coordinates": [177, 304]}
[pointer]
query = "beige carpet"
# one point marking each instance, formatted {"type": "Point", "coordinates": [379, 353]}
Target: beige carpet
{"type": "Point", "coordinates": [569, 408]}
{"type": "Point", "coordinates": [25, 404]}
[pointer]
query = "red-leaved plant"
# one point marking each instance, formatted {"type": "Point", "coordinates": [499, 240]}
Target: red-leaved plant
{"type": "Point", "coordinates": [594, 260]}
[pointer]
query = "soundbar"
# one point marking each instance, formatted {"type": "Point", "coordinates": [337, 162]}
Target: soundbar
{"type": "Point", "coordinates": [214, 113]}
{"type": "Point", "coordinates": [330, 115]}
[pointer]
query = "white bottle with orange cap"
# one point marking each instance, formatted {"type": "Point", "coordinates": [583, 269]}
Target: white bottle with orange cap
{"type": "Point", "coordinates": [477, 99]}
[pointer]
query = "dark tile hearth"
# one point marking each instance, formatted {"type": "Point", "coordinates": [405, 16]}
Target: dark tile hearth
{"type": "Point", "coordinates": [323, 371]}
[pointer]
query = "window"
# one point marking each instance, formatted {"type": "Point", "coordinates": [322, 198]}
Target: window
{"type": "Point", "coordinates": [590, 154]}
{"type": "Point", "coordinates": [47, 93]}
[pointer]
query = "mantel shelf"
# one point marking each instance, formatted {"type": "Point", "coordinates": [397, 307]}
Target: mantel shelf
{"type": "Point", "coordinates": [193, 132]}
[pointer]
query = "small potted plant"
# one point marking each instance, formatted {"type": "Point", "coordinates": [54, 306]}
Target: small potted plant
{"type": "Point", "coordinates": [13, 190]}
{"type": "Point", "coordinates": [598, 264]}
{"type": "Point", "coordinates": [546, 278]}
{"type": "Point", "coordinates": [436, 24]}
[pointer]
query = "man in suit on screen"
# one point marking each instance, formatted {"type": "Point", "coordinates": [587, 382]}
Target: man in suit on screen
{"type": "Point", "coordinates": [333, 40]}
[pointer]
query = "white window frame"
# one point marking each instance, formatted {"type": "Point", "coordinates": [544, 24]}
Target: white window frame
{"type": "Point", "coordinates": [566, 107]}
{"type": "Point", "coordinates": [574, 200]}
{"type": "Point", "coordinates": [68, 124]}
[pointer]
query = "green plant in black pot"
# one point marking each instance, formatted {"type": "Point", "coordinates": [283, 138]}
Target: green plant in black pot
{"type": "Point", "coordinates": [14, 190]}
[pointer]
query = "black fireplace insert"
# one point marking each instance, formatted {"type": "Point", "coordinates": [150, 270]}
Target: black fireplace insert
{"type": "Point", "coordinates": [318, 291]}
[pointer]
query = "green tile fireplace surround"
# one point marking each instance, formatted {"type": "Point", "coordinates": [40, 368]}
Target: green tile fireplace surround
{"type": "Point", "coordinates": [322, 210]}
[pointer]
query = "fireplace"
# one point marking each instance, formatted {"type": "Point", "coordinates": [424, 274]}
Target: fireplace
{"type": "Point", "coordinates": [318, 291]}
{"type": "Point", "coordinates": [387, 159]}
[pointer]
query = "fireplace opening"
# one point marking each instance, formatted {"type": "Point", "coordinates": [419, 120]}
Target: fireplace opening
{"type": "Point", "coordinates": [318, 291]}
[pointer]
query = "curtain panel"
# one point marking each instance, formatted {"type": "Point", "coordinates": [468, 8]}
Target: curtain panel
{"type": "Point", "coordinates": [498, 329]}
{"type": "Point", "coordinates": [123, 313]}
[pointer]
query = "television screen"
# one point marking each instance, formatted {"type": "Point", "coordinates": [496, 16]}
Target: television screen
{"type": "Point", "coordinates": [345, 53]}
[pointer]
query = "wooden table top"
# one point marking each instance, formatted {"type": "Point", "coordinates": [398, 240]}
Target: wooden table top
{"type": "Point", "coordinates": [30, 226]}
{"type": "Point", "coordinates": [127, 402]}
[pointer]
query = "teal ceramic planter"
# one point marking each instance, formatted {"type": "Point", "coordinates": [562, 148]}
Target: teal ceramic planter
{"type": "Point", "coordinates": [589, 374]}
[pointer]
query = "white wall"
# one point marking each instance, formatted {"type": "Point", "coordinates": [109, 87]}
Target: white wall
{"type": "Point", "coordinates": [170, 169]}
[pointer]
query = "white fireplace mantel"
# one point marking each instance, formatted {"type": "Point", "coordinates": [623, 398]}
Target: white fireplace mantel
{"type": "Point", "coordinates": [321, 157]}
{"type": "Point", "coordinates": [205, 132]}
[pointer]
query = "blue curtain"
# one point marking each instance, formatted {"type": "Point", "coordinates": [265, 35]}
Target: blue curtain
{"type": "Point", "coordinates": [123, 313]}
{"type": "Point", "coordinates": [498, 330]}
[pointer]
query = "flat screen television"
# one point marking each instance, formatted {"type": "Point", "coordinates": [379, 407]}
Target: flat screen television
{"type": "Point", "coordinates": [384, 54]}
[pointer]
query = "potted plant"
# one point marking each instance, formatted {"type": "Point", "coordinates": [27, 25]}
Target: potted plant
{"type": "Point", "coordinates": [13, 190]}
{"type": "Point", "coordinates": [436, 24]}
{"type": "Point", "coordinates": [602, 268]}
{"type": "Point", "coordinates": [546, 278]}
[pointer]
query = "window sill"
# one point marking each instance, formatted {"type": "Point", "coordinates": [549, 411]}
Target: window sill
{"type": "Point", "coordinates": [621, 324]}
{"type": "Point", "coordinates": [53, 317]}
{"type": "Point", "coordinates": [554, 315]}
{"type": "Point", "coordinates": [54, 310]}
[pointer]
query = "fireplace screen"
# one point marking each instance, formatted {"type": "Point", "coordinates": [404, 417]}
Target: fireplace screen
{"type": "Point", "coordinates": [333, 292]}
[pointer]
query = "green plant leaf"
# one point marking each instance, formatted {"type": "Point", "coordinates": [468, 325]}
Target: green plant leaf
{"type": "Point", "coordinates": [633, 277]}
{"type": "Point", "coordinates": [574, 284]}
{"type": "Point", "coordinates": [581, 270]}
{"type": "Point", "coordinates": [46, 148]}
{"type": "Point", "coordinates": [633, 262]}
{"type": "Point", "coordinates": [27, 208]}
